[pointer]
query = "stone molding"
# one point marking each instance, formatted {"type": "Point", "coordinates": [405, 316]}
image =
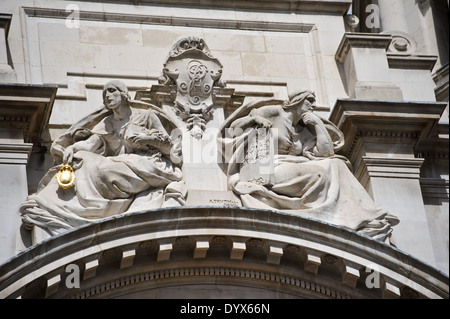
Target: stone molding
{"type": "Point", "coordinates": [15, 153]}
{"type": "Point", "coordinates": [253, 248]}
{"type": "Point", "coordinates": [172, 20]}
{"type": "Point", "coordinates": [339, 7]}
{"type": "Point", "coordinates": [215, 275]}
{"type": "Point", "coordinates": [385, 167]}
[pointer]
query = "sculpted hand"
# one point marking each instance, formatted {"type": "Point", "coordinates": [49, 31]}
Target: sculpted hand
{"type": "Point", "coordinates": [68, 155]}
{"type": "Point", "coordinates": [154, 139]}
{"type": "Point", "coordinates": [311, 118]}
{"type": "Point", "coordinates": [262, 122]}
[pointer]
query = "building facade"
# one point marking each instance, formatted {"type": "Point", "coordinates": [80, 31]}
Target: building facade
{"type": "Point", "coordinates": [378, 72]}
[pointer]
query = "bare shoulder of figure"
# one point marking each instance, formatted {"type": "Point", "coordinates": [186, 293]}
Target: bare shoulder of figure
{"type": "Point", "coordinates": [266, 111]}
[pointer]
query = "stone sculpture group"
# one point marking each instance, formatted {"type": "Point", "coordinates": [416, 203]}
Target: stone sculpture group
{"type": "Point", "coordinates": [128, 156]}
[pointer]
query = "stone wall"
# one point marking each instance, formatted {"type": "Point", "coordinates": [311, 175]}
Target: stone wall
{"type": "Point", "coordinates": [81, 45]}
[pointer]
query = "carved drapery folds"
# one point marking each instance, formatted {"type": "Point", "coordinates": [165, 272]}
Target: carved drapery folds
{"type": "Point", "coordinates": [124, 160]}
{"type": "Point", "coordinates": [281, 155]}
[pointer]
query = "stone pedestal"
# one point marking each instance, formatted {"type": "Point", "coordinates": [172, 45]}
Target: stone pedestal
{"type": "Point", "coordinates": [381, 137]}
{"type": "Point", "coordinates": [365, 64]}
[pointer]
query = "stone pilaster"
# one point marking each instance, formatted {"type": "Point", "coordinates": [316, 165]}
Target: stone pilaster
{"type": "Point", "coordinates": [7, 73]}
{"type": "Point", "coordinates": [24, 112]}
{"type": "Point", "coordinates": [381, 137]}
{"type": "Point", "coordinates": [14, 155]}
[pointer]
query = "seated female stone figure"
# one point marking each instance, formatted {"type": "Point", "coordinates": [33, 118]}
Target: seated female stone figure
{"type": "Point", "coordinates": [303, 176]}
{"type": "Point", "coordinates": [121, 156]}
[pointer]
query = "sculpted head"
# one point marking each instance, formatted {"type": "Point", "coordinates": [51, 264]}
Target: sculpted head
{"type": "Point", "coordinates": [301, 100]}
{"type": "Point", "coordinates": [114, 94]}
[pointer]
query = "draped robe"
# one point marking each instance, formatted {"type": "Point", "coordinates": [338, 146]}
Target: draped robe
{"type": "Point", "coordinates": [298, 181]}
{"type": "Point", "coordinates": [115, 178]}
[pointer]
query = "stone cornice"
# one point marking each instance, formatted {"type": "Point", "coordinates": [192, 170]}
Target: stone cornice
{"type": "Point", "coordinates": [434, 188]}
{"type": "Point", "coordinates": [435, 147]}
{"type": "Point", "coordinates": [5, 21]}
{"type": "Point", "coordinates": [172, 20]}
{"type": "Point", "coordinates": [27, 107]}
{"type": "Point", "coordinates": [440, 77]}
{"type": "Point", "coordinates": [203, 245]}
{"type": "Point", "coordinates": [382, 120]}
{"type": "Point", "coordinates": [339, 7]}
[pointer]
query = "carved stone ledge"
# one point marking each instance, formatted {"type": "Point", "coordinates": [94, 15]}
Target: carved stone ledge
{"type": "Point", "coordinates": [274, 254]}
{"type": "Point", "coordinates": [237, 249]}
{"type": "Point", "coordinates": [312, 260]}
{"type": "Point", "coordinates": [350, 273]}
{"type": "Point", "coordinates": [390, 291]}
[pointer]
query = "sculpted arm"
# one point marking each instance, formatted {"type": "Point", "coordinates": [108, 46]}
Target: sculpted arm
{"type": "Point", "coordinates": [255, 118]}
{"type": "Point", "coordinates": [92, 144]}
{"type": "Point", "coordinates": [154, 136]}
{"type": "Point", "coordinates": [324, 144]}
